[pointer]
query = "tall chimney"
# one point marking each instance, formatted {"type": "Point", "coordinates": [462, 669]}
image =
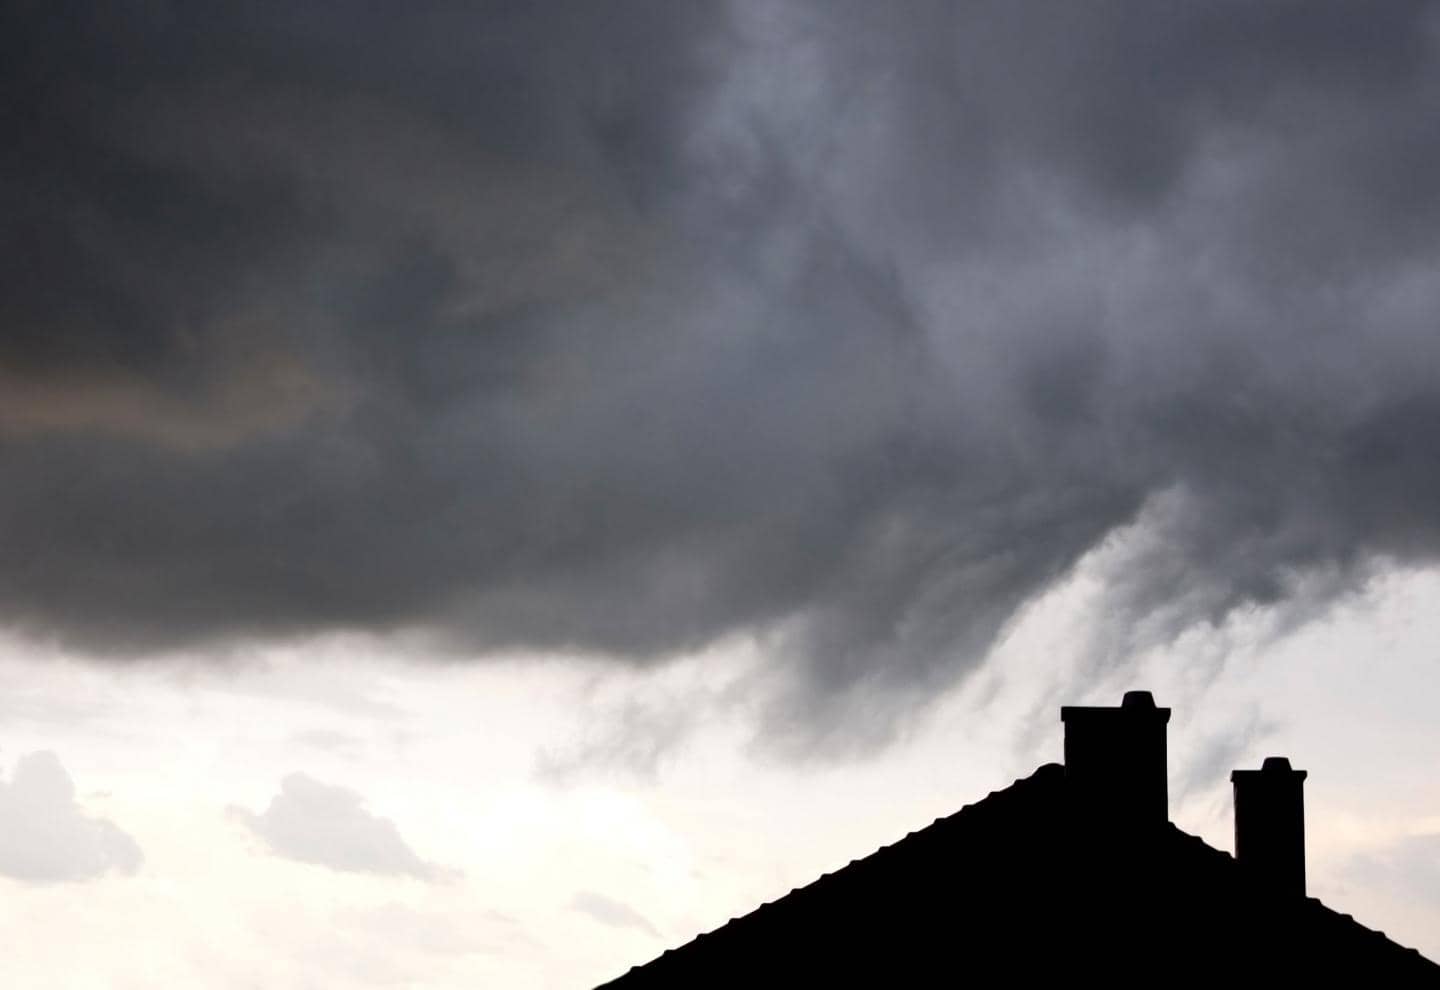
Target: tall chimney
{"type": "Point", "coordinates": [1115, 759]}
{"type": "Point", "coordinates": [1270, 824]}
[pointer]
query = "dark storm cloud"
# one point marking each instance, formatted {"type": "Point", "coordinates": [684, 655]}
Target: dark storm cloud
{"type": "Point", "coordinates": [622, 327]}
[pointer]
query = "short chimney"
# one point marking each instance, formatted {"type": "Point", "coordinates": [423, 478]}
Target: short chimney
{"type": "Point", "coordinates": [1270, 825]}
{"type": "Point", "coordinates": [1115, 759]}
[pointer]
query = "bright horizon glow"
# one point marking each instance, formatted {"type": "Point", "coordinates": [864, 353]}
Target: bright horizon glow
{"type": "Point", "coordinates": [566, 877]}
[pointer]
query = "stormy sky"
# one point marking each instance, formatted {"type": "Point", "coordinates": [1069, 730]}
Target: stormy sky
{"type": "Point", "coordinates": [838, 333]}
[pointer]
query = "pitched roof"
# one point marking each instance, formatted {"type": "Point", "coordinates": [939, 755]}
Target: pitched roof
{"type": "Point", "coordinates": [1017, 884]}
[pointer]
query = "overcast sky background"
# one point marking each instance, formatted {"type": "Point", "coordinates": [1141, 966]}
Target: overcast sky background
{"type": "Point", "coordinates": [491, 489]}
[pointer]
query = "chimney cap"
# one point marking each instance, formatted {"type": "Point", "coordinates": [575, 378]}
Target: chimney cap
{"type": "Point", "coordinates": [1273, 768]}
{"type": "Point", "coordinates": [1134, 705]}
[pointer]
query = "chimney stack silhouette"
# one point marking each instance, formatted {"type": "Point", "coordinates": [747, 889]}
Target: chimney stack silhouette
{"type": "Point", "coordinates": [1270, 825]}
{"type": "Point", "coordinates": [1115, 760]}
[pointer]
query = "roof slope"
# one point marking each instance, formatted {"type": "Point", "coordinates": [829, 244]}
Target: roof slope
{"type": "Point", "coordinates": [1015, 886]}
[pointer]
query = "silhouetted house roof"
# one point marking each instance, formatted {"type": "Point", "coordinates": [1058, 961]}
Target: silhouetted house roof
{"type": "Point", "coordinates": [1071, 873]}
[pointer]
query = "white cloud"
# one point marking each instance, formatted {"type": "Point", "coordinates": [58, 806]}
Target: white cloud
{"type": "Point", "coordinates": [46, 837]}
{"type": "Point", "coordinates": [319, 823]}
{"type": "Point", "coordinates": [611, 912]}
{"type": "Point", "coordinates": [1409, 867]}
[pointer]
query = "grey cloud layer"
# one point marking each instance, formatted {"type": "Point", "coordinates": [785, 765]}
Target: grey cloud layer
{"type": "Point", "coordinates": [624, 327]}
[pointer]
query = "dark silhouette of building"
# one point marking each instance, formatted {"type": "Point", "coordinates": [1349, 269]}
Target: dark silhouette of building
{"type": "Point", "coordinates": [1075, 874]}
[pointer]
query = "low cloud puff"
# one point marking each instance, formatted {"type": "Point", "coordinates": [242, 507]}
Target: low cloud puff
{"type": "Point", "coordinates": [312, 822]}
{"type": "Point", "coordinates": [46, 837]}
{"type": "Point", "coordinates": [611, 912]}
